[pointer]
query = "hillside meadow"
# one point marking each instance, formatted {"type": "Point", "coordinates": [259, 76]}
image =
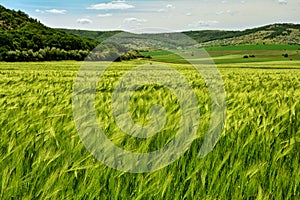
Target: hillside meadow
{"type": "Point", "coordinates": [257, 156]}
{"type": "Point", "coordinates": [233, 54]}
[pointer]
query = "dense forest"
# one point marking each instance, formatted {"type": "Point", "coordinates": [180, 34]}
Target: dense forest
{"type": "Point", "coordinates": [26, 39]}
{"type": "Point", "coordinates": [98, 36]}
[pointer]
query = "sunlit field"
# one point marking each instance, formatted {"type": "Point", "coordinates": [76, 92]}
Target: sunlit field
{"type": "Point", "coordinates": [257, 156]}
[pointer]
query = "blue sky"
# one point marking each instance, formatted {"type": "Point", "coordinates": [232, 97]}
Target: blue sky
{"type": "Point", "coordinates": [170, 15]}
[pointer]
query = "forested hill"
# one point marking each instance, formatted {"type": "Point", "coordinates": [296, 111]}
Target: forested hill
{"type": "Point", "coordinates": [285, 33]}
{"type": "Point", "coordinates": [24, 39]}
{"type": "Point", "coordinates": [99, 36]}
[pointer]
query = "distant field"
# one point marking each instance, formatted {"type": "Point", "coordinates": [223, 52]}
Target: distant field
{"type": "Point", "coordinates": [233, 54]}
{"type": "Point", "coordinates": [237, 56]}
{"type": "Point", "coordinates": [257, 156]}
{"type": "Point", "coordinates": [254, 47]}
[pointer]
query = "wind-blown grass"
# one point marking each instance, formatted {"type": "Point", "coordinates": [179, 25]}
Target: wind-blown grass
{"type": "Point", "coordinates": [42, 157]}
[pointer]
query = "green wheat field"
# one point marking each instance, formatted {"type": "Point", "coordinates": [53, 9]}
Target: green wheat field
{"type": "Point", "coordinates": [257, 156]}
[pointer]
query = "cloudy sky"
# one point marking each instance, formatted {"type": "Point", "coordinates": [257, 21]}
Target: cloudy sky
{"type": "Point", "coordinates": [173, 15]}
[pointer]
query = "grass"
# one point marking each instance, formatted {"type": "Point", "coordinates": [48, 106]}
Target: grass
{"type": "Point", "coordinates": [257, 156]}
{"type": "Point", "coordinates": [228, 54]}
{"type": "Point", "coordinates": [280, 47]}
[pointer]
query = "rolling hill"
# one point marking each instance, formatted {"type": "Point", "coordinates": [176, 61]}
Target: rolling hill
{"type": "Point", "coordinates": [270, 34]}
{"type": "Point", "coordinates": [99, 36]}
{"type": "Point", "coordinates": [284, 33]}
{"type": "Point", "coordinates": [24, 38]}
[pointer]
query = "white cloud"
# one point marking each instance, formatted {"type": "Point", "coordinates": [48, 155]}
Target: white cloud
{"type": "Point", "coordinates": [169, 6]}
{"type": "Point", "coordinates": [161, 10]}
{"type": "Point", "coordinates": [55, 11]}
{"type": "Point", "coordinates": [84, 21]}
{"type": "Point", "coordinates": [282, 1]}
{"type": "Point", "coordinates": [133, 23]}
{"type": "Point", "coordinates": [207, 23]}
{"type": "Point", "coordinates": [133, 19]}
{"type": "Point", "coordinates": [203, 23]}
{"type": "Point", "coordinates": [233, 15]}
{"type": "Point", "coordinates": [39, 11]}
{"type": "Point", "coordinates": [105, 15]}
{"type": "Point", "coordinates": [115, 5]}
{"type": "Point", "coordinates": [229, 12]}
{"type": "Point", "coordinates": [232, 12]}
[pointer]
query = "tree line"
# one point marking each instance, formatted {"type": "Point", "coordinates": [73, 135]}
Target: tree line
{"type": "Point", "coordinates": [56, 54]}
{"type": "Point", "coordinates": [47, 54]}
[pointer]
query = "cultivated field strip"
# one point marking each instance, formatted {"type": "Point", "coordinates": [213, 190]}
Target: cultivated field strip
{"type": "Point", "coordinates": [42, 157]}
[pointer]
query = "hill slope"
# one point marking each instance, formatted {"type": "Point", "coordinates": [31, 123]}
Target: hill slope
{"type": "Point", "coordinates": [25, 35]}
{"type": "Point", "coordinates": [270, 34]}
{"type": "Point", "coordinates": [95, 35]}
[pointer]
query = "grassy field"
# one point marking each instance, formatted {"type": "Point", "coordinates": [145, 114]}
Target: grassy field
{"type": "Point", "coordinates": [233, 54]}
{"type": "Point", "coordinates": [257, 157]}
{"type": "Point", "coordinates": [279, 47]}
